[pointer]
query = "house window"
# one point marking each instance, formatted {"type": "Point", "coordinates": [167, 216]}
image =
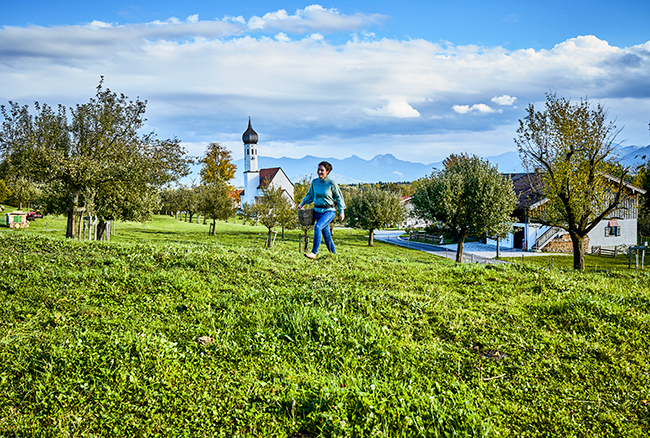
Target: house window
{"type": "Point", "coordinates": [612, 231]}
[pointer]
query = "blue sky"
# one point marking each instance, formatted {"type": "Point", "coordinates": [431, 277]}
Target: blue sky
{"type": "Point", "coordinates": [419, 80]}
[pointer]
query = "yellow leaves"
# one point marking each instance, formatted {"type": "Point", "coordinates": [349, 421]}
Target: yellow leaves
{"type": "Point", "coordinates": [217, 164]}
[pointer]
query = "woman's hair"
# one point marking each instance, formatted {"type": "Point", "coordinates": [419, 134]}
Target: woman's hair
{"type": "Point", "coordinates": [326, 165]}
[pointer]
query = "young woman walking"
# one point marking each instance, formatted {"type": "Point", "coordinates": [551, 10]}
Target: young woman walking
{"type": "Point", "coordinates": [326, 196]}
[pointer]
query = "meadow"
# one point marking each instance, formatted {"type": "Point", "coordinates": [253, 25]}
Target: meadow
{"type": "Point", "coordinates": [167, 331]}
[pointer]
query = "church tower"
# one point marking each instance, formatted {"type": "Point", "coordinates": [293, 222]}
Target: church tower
{"type": "Point", "coordinates": [251, 166]}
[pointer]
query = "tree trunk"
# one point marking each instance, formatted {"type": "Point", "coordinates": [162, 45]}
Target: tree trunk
{"type": "Point", "coordinates": [282, 232]}
{"type": "Point", "coordinates": [371, 237]}
{"type": "Point", "coordinates": [72, 206]}
{"type": "Point", "coordinates": [459, 249]}
{"type": "Point", "coordinates": [269, 243]}
{"type": "Point", "coordinates": [101, 229]}
{"type": "Point", "coordinates": [214, 225]}
{"type": "Point", "coordinates": [578, 251]}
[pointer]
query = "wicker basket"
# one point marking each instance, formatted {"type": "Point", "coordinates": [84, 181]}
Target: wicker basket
{"type": "Point", "coordinates": [306, 217]}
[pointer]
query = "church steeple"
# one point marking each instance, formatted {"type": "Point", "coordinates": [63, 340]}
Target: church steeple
{"type": "Point", "coordinates": [250, 136]}
{"type": "Point", "coordinates": [250, 139]}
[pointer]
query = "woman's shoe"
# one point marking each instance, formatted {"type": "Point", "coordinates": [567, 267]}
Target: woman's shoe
{"type": "Point", "coordinates": [311, 255]}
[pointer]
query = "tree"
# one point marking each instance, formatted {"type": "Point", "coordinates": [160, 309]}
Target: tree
{"type": "Point", "coordinates": [5, 193]}
{"type": "Point", "coordinates": [270, 208]}
{"type": "Point", "coordinates": [643, 181]}
{"type": "Point", "coordinates": [149, 205]}
{"type": "Point", "coordinates": [468, 197]}
{"type": "Point", "coordinates": [215, 203]}
{"type": "Point", "coordinates": [300, 190]}
{"type": "Point", "coordinates": [248, 213]}
{"type": "Point", "coordinates": [169, 201]}
{"type": "Point", "coordinates": [372, 208]}
{"type": "Point", "coordinates": [217, 165]}
{"type": "Point", "coordinates": [23, 191]}
{"type": "Point", "coordinates": [89, 149]}
{"type": "Point", "coordinates": [570, 147]}
{"type": "Point", "coordinates": [188, 198]}
{"type": "Point", "coordinates": [215, 194]}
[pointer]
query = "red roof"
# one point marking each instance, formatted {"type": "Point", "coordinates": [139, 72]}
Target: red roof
{"type": "Point", "coordinates": [267, 175]}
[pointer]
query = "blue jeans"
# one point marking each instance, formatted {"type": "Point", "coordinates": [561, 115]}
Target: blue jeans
{"type": "Point", "coordinates": [322, 227]}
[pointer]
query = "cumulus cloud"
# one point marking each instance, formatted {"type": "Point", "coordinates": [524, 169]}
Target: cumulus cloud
{"type": "Point", "coordinates": [238, 19]}
{"type": "Point", "coordinates": [297, 83]}
{"type": "Point", "coordinates": [504, 100]}
{"type": "Point", "coordinates": [397, 106]}
{"type": "Point", "coordinates": [476, 108]}
{"type": "Point", "coordinates": [314, 17]}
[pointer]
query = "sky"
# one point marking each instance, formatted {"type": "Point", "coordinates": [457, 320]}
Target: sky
{"type": "Point", "coordinates": [416, 79]}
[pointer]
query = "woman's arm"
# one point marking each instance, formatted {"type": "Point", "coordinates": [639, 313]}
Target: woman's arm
{"type": "Point", "coordinates": [340, 202]}
{"type": "Point", "coordinates": [309, 197]}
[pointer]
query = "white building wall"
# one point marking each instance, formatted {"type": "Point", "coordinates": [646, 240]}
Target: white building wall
{"type": "Point", "coordinates": [282, 180]}
{"type": "Point", "coordinates": [251, 181]}
{"type": "Point", "coordinates": [413, 221]}
{"type": "Point", "coordinates": [628, 234]}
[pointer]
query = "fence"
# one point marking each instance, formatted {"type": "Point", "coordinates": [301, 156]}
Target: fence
{"type": "Point", "coordinates": [609, 251]}
{"type": "Point", "coordinates": [422, 236]}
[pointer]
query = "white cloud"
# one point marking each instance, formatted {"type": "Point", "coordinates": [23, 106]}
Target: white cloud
{"type": "Point", "coordinates": [504, 100]}
{"type": "Point", "coordinates": [478, 108]}
{"type": "Point", "coordinates": [204, 77]}
{"type": "Point", "coordinates": [282, 37]}
{"type": "Point", "coordinates": [98, 25]}
{"type": "Point", "coordinates": [313, 17]}
{"type": "Point", "coordinates": [238, 19]}
{"type": "Point", "coordinates": [397, 106]}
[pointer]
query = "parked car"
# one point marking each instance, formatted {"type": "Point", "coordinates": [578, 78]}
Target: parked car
{"type": "Point", "coordinates": [34, 215]}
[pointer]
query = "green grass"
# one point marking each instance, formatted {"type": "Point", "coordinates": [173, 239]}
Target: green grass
{"type": "Point", "coordinates": [100, 339]}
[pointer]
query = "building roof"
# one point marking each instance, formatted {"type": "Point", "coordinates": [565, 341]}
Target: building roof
{"type": "Point", "coordinates": [250, 136]}
{"type": "Point", "coordinates": [267, 175]}
{"type": "Point", "coordinates": [530, 189]}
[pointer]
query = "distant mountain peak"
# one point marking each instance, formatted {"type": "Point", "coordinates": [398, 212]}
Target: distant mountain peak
{"type": "Point", "coordinates": [388, 168]}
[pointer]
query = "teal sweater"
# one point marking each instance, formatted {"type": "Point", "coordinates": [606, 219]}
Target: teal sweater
{"type": "Point", "coordinates": [325, 194]}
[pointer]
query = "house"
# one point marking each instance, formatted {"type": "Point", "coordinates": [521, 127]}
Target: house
{"type": "Point", "coordinates": [620, 228]}
{"type": "Point", "coordinates": [412, 220]}
{"type": "Point", "coordinates": [256, 179]}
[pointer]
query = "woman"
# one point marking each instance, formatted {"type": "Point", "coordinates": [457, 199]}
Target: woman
{"type": "Point", "coordinates": [326, 196]}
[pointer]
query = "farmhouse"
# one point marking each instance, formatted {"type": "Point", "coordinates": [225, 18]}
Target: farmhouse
{"type": "Point", "coordinates": [619, 229]}
{"type": "Point", "coordinates": [412, 220]}
{"type": "Point", "coordinates": [256, 179]}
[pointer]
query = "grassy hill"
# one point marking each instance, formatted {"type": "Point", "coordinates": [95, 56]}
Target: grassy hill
{"type": "Point", "coordinates": [107, 339]}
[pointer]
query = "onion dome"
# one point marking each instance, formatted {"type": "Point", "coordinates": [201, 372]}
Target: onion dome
{"type": "Point", "coordinates": [250, 136]}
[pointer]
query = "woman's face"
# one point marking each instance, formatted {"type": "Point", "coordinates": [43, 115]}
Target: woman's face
{"type": "Point", "coordinates": [322, 172]}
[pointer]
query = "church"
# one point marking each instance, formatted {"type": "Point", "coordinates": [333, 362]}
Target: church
{"type": "Point", "coordinates": [254, 178]}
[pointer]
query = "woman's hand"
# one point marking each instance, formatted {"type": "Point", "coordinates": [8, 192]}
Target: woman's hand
{"type": "Point", "coordinates": [299, 206]}
{"type": "Point", "coordinates": [341, 216]}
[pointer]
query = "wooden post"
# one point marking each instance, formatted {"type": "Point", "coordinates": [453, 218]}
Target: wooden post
{"type": "Point", "coordinates": [79, 224]}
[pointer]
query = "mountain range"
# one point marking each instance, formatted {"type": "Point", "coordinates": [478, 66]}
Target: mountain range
{"type": "Point", "coordinates": [387, 168]}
